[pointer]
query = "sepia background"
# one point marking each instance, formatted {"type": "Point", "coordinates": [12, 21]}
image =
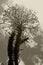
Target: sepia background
{"type": "Point", "coordinates": [36, 5]}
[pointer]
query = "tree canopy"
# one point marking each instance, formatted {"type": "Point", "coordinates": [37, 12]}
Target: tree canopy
{"type": "Point", "coordinates": [15, 16]}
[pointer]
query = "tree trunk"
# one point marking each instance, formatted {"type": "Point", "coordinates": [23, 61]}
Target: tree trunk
{"type": "Point", "coordinates": [10, 48]}
{"type": "Point", "coordinates": [16, 49]}
{"type": "Point", "coordinates": [16, 55]}
{"type": "Point", "coordinates": [17, 45]}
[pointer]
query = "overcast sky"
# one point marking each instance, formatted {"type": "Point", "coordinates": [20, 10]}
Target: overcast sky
{"type": "Point", "coordinates": [36, 5]}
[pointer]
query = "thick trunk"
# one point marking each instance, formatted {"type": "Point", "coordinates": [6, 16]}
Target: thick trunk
{"type": "Point", "coordinates": [16, 49]}
{"type": "Point", "coordinates": [10, 48]}
{"type": "Point", "coordinates": [17, 45]}
{"type": "Point", "coordinates": [16, 55]}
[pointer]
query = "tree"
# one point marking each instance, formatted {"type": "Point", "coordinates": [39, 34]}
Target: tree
{"type": "Point", "coordinates": [22, 25]}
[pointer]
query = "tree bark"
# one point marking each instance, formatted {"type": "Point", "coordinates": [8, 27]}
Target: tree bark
{"type": "Point", "coordinates": [10, 48]}
{"type": "Point", "coordinates": [17, 45]}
